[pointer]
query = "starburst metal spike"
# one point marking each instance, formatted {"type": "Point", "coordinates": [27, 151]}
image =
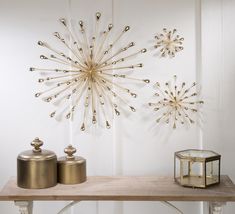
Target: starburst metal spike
{"type": "Point", "coordinates": [40, 43]}
{"type": "Point", "coordinates": [63, 21]}
{"type": "Point", "coordinates": [87, 79]}
{"type": "Point", "coordinates": [81, 24]}
{"type": "Point", "coordinates": [126, 28]}
{"type": "Point", "coordinates": [98, 15]}
{"type": "Point", "coordinates": [110, 26]}
{"type": "Point", "coordinates": [57, 35]}
{"type": "Point", "coordinates": [174, 106]}
{"type": "Point", "coordinates": [83, 127]}
{"type": "Point", "coordinates": [169, 43]}
{"type": "Point", "coordinates": [43, 57]}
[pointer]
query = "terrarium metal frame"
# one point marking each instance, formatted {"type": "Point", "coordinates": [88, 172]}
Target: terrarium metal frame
{"type": "Point", "coordinates": [194, 179]}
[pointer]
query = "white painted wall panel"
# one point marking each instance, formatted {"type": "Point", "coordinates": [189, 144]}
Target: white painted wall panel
{"type": "Point", "coordinates": [217, 79]}
{"type": "Point", "coordinates": [147, 148]}
{"type": "Point", "coordinates": [23, 117]}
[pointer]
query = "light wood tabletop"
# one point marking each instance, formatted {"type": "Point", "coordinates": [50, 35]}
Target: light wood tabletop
{"type": "Point", "coordinates": [122, 188]}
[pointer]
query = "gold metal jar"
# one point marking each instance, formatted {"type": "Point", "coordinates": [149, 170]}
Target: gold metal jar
{"type": "Point", "coordinates": [37, 168]}
{"type": "Point", "coordinates": [71, 169]}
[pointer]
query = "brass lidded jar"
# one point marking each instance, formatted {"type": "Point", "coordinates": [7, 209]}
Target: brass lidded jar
{"type": "Point", "coordinates": [71, 169]}
{"type": "Point", "coordinates": [37, 168]}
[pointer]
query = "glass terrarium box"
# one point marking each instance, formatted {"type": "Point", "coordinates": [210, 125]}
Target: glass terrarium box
{"type": "Point", "coordinates": [197, 168]}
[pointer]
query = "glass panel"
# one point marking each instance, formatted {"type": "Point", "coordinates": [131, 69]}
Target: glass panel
{"type": "Point", "coordinates": [177, 167]}
{"type": "Point", "coordinates": [197, 153]}
{"type": "Point", "coordinates": [212, 172]}
{"type": "Point", "coordinates": [196, 169]}
{"type": "Point", "coordinates": [185, 167]}
{"type": "Point", "coordinates": [192, 174]}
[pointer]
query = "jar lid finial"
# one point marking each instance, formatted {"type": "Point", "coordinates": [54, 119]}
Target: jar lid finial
{"type": "Point", "coordinates": [37, 143]}
{"type": "Point", "coordinates": [70, 150]}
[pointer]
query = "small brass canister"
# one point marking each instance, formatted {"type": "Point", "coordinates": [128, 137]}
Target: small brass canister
{"type": "Point", "coordinates": [37, 168]}
{"type": "Point", "coordinates": [71, 169]}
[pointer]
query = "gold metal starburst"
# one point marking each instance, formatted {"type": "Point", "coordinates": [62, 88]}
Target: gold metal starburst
{"type": "Point", "coordinates": [176, 103]}
{"type": "Point", "coordinates": [169, 42]}
{"type": "Point", "coordinates": [88, 78]}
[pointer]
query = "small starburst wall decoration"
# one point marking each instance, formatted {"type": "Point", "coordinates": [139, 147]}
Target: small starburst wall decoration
{"type": "Point", "coordinates": [84, 79]}
{"type": "Point", "coordinates": [176, 103]}
{"type": "Point", "coordinates": [169, 43]}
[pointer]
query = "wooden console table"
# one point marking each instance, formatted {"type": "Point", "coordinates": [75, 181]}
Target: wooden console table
{"type": "Point", "coordinates": [123, 188]}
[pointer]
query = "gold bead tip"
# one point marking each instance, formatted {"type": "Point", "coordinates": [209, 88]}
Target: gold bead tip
{"type": "Point", "coordinates": [126, 28]}
{"type": "Point", "coordinates": [132, 109]}
{"type": "Point", "coordinates": [144, 50]}
{"type": "Point", "coordinates": [134, 95]}
{"type": "Point", "coordinates": [131, 44]}
{"type": "Point", "coordinates": [40, 43]}
{"type": "Point", "coordinates": [157, 84]}
{"type": "Point", "coordinates": [108, 125]}
{"type": "Point", "coordinates": [48, 99]}
{"type": "Point", "coordinates": [83, 127]}
{"type": "Point", "coordinates": [68, 116]}
{"type": "Point", "coordinates": [63, 21]}
{"type": "Point", "coordinates": [94, 119]}
{"type": "Point", "coordinates": [37, 94]}
{"type": "Point", "coordinates": [146, 80]}
{"type": "Point", "coordinates": [56, 34]}
{"type": "Point", "coordinates": [43, 57]}
{"type": "Point", "coordinates": [117, 112]}
{"type": "Point", "coordinates": [98, 15]}
{"type": "Point", "coordinates": [191, 121]}
{"type": "Point", "coordinates": [52, 114]}
{"type": "Point", "coordinates": [81, 24]}
{"type": "Point", "coordinates": [40, 80]}
{"type": "Point", "coordinates": [110, 26]}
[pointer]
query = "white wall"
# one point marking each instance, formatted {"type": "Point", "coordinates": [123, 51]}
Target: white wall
{"type": "Point", "coordinates": [135, 145]}
{"type": "Point", "coordinates": [217, 78]}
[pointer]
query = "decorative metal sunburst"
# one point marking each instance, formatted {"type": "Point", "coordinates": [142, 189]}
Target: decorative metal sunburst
{"type": "Point", "coordinates": [176, 103]}
{"type": "Point", "coordinates": [169, 42]}
{"type": "Point", "coordinates": [87, 81]}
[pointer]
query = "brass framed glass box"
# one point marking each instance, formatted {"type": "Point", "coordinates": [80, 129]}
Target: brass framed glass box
{"type": "Point", "coordinates": [197, 168]}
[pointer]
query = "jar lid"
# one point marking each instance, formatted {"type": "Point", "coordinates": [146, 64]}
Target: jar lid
{"type": "Point", "coordinates": [37, 153]}
{"type": "Point", "coordinates": [70, 158]}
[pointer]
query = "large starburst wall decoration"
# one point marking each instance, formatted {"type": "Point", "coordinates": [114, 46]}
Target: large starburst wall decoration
{"type": "Point", "coordinates": [176, 103]}
{"type": "Point", "coordinates": [169, 43]}
{"type": "Point", "coordinates": [85, 79]}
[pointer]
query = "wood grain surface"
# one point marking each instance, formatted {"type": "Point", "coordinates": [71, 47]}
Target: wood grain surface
{"type": "Point", "coordinates": [123, 188]}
